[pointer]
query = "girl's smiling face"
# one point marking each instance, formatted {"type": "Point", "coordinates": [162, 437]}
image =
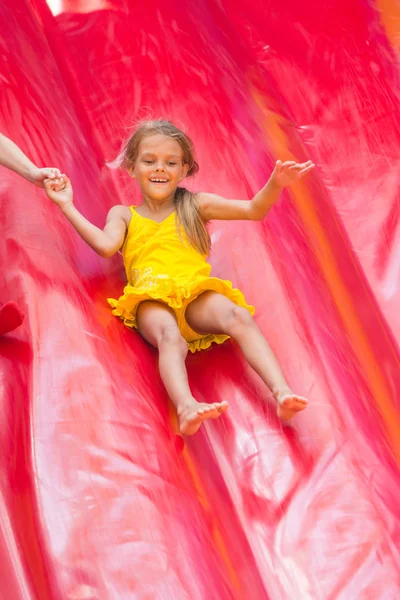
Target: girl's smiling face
{"type": "Point", "coordinates": [159, 167]}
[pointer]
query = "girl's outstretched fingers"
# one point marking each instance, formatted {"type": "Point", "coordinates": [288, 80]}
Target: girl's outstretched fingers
{"type": "Point", "coordinates": [193, 414]}
{"type": "Point", "coordinates": [306, 168]}
{"type": "Point", "coordinates": [288, 172]}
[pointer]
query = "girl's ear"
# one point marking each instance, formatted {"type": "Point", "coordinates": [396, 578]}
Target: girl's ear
{"type": "Point", "coordinates": [185, 171]}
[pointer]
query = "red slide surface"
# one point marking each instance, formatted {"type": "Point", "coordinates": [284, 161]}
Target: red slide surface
{"type": "Point", "coordinates": [99, 499]}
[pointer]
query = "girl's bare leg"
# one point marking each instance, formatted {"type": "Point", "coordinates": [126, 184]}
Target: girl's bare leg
{"type": "Point", "coordinates": [158, 326]}
{"type": "Point", "coordinates": [214, 313]}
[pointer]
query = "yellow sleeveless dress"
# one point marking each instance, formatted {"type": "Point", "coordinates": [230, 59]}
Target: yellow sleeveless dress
{"type": "Point", "coordinates": [161, 265]}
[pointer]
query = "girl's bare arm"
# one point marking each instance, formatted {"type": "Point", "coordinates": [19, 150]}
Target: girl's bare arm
{"type": "Point", "coordinates": [105, 242]}
{"type": "Point", "coordinates": [216, 207]}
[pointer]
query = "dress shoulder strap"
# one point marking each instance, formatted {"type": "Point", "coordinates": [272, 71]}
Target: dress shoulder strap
{"type": "Point", "coordinates": [129, 228]}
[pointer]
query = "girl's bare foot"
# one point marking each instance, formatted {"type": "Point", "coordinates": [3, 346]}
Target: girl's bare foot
{"type": "Point", "coordinates": [193, 414]}
{"type": "Point", "coordinates": [289, 404]}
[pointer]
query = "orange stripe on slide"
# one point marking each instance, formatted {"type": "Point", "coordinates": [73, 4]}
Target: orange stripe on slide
{"type": "Point", "coordinates": [216, 531]}
{"type": "Point", "coordinates": [202, 497]}
{"type": "Point", "coordinates": [373, 373]}
{"type": "Point", "coordinates": [389, 13]}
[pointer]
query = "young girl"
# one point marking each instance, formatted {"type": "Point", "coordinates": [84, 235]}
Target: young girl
{"type": "Point", "coordinates": [170, 297]}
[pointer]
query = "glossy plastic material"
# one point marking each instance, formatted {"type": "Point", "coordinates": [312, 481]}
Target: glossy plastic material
{"type": "Point", "coordinates": [99, 499]}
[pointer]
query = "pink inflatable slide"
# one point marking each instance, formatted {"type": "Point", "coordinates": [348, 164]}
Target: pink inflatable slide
{"type": "Point", "coordinates": [99, 499]}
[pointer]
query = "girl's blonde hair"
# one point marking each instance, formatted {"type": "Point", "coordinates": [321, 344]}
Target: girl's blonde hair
{"type": "Point", "coordinates": [186, 207]}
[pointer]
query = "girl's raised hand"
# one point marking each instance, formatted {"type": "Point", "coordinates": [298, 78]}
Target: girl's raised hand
{"type": "Point", "coordinates": [59, 190]}
{"type": "Point", "coordinates": [286, 173]}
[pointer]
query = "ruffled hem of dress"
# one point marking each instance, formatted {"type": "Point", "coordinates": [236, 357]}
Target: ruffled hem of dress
{"type": "Point", "coordinates": [177, 298]}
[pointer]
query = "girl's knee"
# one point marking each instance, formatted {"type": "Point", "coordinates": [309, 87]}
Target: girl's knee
{"type": "Point", "coordinates": [238, 319]}
{"type": "Point", "coordinates": [171, 336]}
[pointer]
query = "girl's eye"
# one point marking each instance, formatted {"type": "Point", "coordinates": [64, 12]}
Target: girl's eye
{"type": "Point", "coordinates": [150, 162]}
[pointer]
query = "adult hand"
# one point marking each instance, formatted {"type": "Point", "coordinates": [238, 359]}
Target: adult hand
{"type": "Point", "coordinates": [38, 176]}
